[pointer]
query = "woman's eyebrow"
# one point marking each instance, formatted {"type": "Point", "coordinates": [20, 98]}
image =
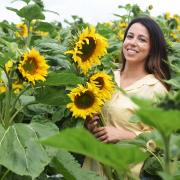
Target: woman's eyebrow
{"type": "Point", "coordinates": [140, 35]}
{"type": "Point", "coordinates": [144, 36]}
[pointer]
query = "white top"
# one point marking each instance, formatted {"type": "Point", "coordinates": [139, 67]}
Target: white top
{"type": "Point", "coordinates": [120, 108]}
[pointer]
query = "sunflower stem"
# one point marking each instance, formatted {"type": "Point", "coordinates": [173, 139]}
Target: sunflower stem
{"type": "Point", "coordinates": [17, 98]}
{"type": "Point", "coordinates": [101, 120]}
{"type": "Point", "coordinates": [28, 39]}
{"type": "Point", "coordinates": [21, 108]}
{"type": "Point", "coordinates": [167, 154]}
{"type": "Point", "coordinates": [8, 98]}
{"type": "Point", "coordinates": [5, 174]}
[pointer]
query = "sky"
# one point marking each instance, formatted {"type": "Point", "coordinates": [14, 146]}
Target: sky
{"type": "Point", "coordinates": [91, 11]}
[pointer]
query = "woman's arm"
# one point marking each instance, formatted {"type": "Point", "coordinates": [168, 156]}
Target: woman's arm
{"type": "Point", "coordinates": [111, 134]}
{"type": "Point", "coordinates": [107, 134]}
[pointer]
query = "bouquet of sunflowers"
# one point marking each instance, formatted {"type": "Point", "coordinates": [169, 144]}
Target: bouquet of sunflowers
{"type": "Point", "coordinates": [88, 98]}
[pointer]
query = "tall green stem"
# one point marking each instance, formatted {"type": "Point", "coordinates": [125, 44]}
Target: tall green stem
{"type": "Point", "coordinates": [6, 114]}
{"type": "Point", "coordinates": [167, 154]}
{"type": "Point", "coordinates": [17, 98]}
{"type": "Point", "coordinates": [101, 120]}
{"type": "Point", "coordinates": [28, 39]}
{"type": "Point", "coordinates": [22, 107]}
{"type": "Point", "coordinates": [5, 174]}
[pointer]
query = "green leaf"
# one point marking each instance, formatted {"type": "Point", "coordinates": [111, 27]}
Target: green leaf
{"type": "Point", "coordinates": [26, 99]}
{"type": "Point", "coordinates": [44, 26]}
{"type": "Point", "coordinates": [59, 114]}
{"type": "Point", "coordinates": [13, 9]}
{"type": "Point", "coordinates": [30, 12]}
{"type": "Point", "coordinates": [65, 164]}
{"type": "Point", "coordinates": [166, 176]}
{"type": "Point", "coordinates": [60, 61]}
{"type": "Point", "coordinates": [152, 165]}
{"type": "Point", "coordinates": [19, 150]}
{"type": "Point", "coordinates": [52, 96]}
{"type": "Point", "coordinates": [166, 122]}
{"type": "Point", "coordinates": [2, 62]}
{"type": "Point", "coordinates": [147, 103]}
{"type": "Point", "coordinates": [81, 141]}
{"type": "Point", "coordinates": [175, 82]}
{"type": "Point", "coordinates": [26, 1]}
{"type": "Point", "coordinates": [62, 79]}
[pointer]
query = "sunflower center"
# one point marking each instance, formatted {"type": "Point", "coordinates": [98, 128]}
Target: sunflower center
{"type": "Point", "coordinates": [84, 100]}
{"type": "Point", "coordinates": [21, 30]}
{"type": "Point", "coordinates": [100, 82]}
{"type": "Point", "coordinates": [30, 66]}
{"type": "Point", "coordinates": [87, 49]}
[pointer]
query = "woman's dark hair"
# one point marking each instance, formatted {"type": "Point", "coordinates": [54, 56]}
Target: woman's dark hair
{"type": "Point", "coordinates": [157, 61]}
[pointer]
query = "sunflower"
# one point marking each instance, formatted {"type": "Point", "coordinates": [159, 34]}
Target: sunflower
{"type": "Point", "coordinates": [88, 49]}
{"type": "Point", "coordinates": [123, 25]}
{"type": "Point", "coordinates": [33, 66]}
{"type": "Point", "coordinates": [22, 30]}
{"type": "Point", "coordinates": [105, 84]}
{"type": "Point", "coordinates": [85, 101]}
{"type": "Point", "coordinates": [121, 35]}
{"type": "Point", "coordinates": [17, 86]}
{"type": "Point", "coordinates": [41, 33]}
{"type": "Point", "coordinates": [3, 88]}
{"type": "Point", "coordinates": [8, 65]}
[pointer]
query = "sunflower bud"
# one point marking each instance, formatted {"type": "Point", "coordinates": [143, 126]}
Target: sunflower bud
{"type": "Point", "coordinates": [150, 7]}
{"type": "Point", "coordinates": [151, 145]}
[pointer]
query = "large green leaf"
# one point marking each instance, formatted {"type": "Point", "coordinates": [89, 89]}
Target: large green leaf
{"type": "Point", "coordinates": [62, 79]}
{"type": "Point", "coordinates": [30, 12]}
{"type": "Point", "coordinates": [81, 141]}
{"type": "Point", "coordinates": [19, 150]}
{"type": "Point", "coordinates": [65, 164]}
{"type": "Point", "coordinates": [59, 60]}
{"type": "Point", "coordinates": [52, 96]}
{"type": "Point", "coordinates": [166, 122]}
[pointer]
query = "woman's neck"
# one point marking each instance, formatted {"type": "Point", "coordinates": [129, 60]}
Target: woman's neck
{"type": "Point", "coordinates": [131, 74]}
{"type": "Point", "coordinates": [134, 71]}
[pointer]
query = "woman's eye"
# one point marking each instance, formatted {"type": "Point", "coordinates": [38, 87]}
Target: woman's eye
{"type": "Point", "coordinates": [142, 40]}
{"type": "Point", "coordinates": [129, 36]}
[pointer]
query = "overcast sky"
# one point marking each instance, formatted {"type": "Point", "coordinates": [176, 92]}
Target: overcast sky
{"type": "Point", "coordinates": [92, 11]}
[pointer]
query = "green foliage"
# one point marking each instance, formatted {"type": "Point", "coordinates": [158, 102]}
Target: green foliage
{"type": "Point", "coordinates": [159, 119]}
{"type": "Point", "coordinates": [166, 123]}
{"type": "Point", "coordinates": [20, 151]}
{"type": "Point", "coordinates": [34, 111]}
{"type": "Point", "coordinates": [52, 96]}
{"type": "Point", "coordinates": [65, 164]}
{"type": "Point", "coordinates": [112, 155]}
{"type": "Point", "coordinates": [30, 12]}
{"type": "Point", "coordinates": [62, 79]}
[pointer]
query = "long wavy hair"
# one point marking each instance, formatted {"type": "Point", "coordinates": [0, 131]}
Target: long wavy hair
{"type": "Point", "coordinates": [157, 60]}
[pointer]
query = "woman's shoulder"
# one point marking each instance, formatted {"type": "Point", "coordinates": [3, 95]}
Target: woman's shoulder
{"type": "Point", "coordinates": [147, 87]}
{"type": "Point", "coordinates": [156, 84]}
{"type": "Point", "coordinates": [153, 87]}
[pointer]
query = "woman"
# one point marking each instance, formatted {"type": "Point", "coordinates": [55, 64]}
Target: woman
{"type": "Point", "coordinates": [144, 69]}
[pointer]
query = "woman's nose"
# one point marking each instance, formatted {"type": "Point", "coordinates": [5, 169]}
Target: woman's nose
{"type": "Point", "coordinates": [133, 41]}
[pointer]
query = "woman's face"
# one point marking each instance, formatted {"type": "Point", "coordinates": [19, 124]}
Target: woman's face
{"type": "Point", "coordinates": [136, 46]}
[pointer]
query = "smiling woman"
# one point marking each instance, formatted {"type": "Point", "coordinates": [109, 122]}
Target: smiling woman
{"type": "Point", "coordinates": [144, 69]}
{"type": "Point", "coordinates": [136, 48]}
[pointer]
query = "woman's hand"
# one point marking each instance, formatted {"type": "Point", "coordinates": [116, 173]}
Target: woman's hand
{"type": "Point", "coordinates": [110, 134]}
{"type": "Point", "coordinates": [92, 123]}
{"type": "Point", "coordinates": [107, 134]}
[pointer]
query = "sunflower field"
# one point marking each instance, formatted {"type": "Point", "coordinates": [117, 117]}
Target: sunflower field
{"type": "Point", "coordinates": [52, 78]}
